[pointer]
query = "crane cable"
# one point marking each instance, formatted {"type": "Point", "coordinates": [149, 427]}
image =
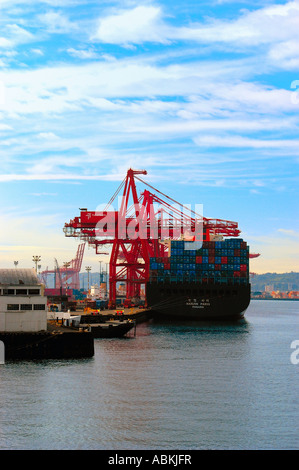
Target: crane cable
{"type": "Point", "coordinates": [115, 194]}
{"type": "Point", "coordinates": [168, 197]}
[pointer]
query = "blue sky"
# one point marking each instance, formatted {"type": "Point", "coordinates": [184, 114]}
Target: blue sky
{"type": "Point", "coordinates": [204, 95]}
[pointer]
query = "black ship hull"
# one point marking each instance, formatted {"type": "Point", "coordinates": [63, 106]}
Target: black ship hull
{"type": "Point", "coordinates": [197, 301]}
{"type": "Point", "coordinates": [106, 330]}
{"type": "Point", "coordinates": [105, 326]}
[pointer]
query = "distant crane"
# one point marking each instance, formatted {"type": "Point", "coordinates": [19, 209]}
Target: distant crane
{"type": "Point", "coordinates": [59, 275]}
{"type": "Point", "coordinates": [68, 274]}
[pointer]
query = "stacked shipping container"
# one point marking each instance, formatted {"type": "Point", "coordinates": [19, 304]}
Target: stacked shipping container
{"type": "Point", "coordinates": [224, 261]}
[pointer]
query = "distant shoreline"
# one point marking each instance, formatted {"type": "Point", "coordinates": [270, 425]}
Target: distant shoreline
{"type": "Point", "coordinates": [256, 298]}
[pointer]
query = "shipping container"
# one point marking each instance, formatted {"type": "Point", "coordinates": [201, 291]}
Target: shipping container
{"type": "Point", "coordinates": [224, 261]}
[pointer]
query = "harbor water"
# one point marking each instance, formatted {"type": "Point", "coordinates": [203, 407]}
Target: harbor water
{"type": "Point", "coordinates": [172, 386]}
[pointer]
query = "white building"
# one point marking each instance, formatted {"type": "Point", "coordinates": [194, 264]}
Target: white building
{"type": "Point", "coordinates": [23, 306]}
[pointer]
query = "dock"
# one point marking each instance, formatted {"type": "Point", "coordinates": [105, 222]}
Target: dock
{"type": "Point", "coordinates": [139, 315]}
{"type": "Point", "coordinates": [57, 342]}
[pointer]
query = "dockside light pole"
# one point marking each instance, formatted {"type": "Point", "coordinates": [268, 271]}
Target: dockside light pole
{"type": "Point", "coordinates": [36, 259]}
{"type": "Point", "coordinates": [88, 269]}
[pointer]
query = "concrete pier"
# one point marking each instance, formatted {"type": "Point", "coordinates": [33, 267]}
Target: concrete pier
{"type": "Point", "coordinates": [56, 342]}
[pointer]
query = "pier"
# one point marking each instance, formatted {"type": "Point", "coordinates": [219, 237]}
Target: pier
{"type": "Point", "coordinates": [57, 342]}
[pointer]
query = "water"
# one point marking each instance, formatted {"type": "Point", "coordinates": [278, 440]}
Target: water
{"type": "Point", "coordinates": [204, 386]}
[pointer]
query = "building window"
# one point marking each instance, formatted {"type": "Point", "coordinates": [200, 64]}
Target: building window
{"type": "Point", "coordinates": [21, 291]}
{"type": "Point", "coordinates": [39, 307]}
{"type": "Point", "coordinates": [12, 307]}
{"type": "Point", "coordinates": [26, 307]}
{"type": "Point", "coordinates": [8, 292]}
{"type": "Point", "coordinates": [33, 292]}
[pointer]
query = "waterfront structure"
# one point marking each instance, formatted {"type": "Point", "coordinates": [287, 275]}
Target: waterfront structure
{"type": "Point", "coordinates": [24, 329]}
{"type": "Point", "coordinates": [23, 305]}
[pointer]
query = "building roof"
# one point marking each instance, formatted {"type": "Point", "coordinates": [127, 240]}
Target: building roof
{"type": "Point", "coordinates": [18, 276]}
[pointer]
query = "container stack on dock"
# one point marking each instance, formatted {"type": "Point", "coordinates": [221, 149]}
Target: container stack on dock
{"type": "Point", "coordinates": [224, 262]}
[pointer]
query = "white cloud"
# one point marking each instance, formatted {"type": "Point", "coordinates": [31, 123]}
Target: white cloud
{"type": "Point", "coordinates": [290, 232]}
{"type": "Point", "coordinates": [4, 127]}
{"type": "Point", "coordinates": [56, 22]}
{"type": "Point", "coordinates": [43, 194]}
{"type": "Point", "coordinates": [61, 176]}
{"type": "Point", "coordinates": [268, 25]}
{"type": "Point", "coordinates": [48, 135]}
{"type": "Point", "coordinates": [254, 191]}
{"type": "Point", "coordinates": [82, 54]}
{"type": "Point", "coordinates": [286, 54]}
{"type": "Point", "coordinates": [18, 34]}
{"type": "Point", "coordinates": [191, 126]}
{"type": "Point", "coordinates": [215, 88]}
{"type": "Point", "coordinates": [239, 141]}
{"type": "Point", "coordinates": [217, 106]}
{"type": "Point", "coordinates": [37, 52]}
{"type": "Point", "coordinates": [12, 36]}
{"type": "Point", "coordinates": [140, 24]}
{"type": "Point", "coordinates": [5, 43]}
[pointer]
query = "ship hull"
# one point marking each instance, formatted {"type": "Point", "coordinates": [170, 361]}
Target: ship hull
{"type": "Point", "coordinates": [197, 301]}
{"type": "Point", "coordinates": [106, 330]}
{"type": "Point", "coordinates": [104, 326]}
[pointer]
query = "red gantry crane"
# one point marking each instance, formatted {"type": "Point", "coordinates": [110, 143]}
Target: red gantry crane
{"type": "Point", "coordinates": [66, 277]}
{"type": "Point", "coordinates": [139, 230]}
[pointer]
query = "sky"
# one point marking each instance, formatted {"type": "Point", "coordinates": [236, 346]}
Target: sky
{"type": "Point", "coordinates": [203, 95]}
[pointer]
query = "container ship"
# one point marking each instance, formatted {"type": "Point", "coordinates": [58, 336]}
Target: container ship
{"type": "Point", "coordinates": [207, 278]}
{"type": "Point", "coordinates": [207, 282]}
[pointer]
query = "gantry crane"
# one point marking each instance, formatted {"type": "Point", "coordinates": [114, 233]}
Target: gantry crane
{"type": "Point", "coordinates": [138, 230]}
{"type": "Point", "coordinates": [68, 274]}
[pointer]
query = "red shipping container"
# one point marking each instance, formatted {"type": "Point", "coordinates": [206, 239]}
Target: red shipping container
{"type": "Point", "coordinates": [224, 260]}
{"type": "Point", "coordinates": [243, 267]}
{"type": "Point", "coordinates": [198, 259]}
{"type": "Point", "coordinates": [217, 267]}
{"type": "Point", "coordinates": [211, 259]}
{"type": "Point", "coordinates": [236, 273]}
{"type": "Point", "coordinates": [243, 245]}
{"type": "Point", "coordinates": [237, 252]}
